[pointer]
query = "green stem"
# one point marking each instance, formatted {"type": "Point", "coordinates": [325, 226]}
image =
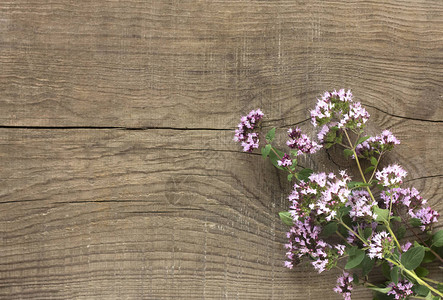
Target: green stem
{"type": "Point", "coordinates": [433, 281]}
{"type": "Point", "coordinates": [363, 176]}
{"type": "Point", "coordinates": [375, 167]}
{"type": "Point", "coordinates": [393, 236]}
{"type": "Point", "coordinates": [348, 228]}
{"type": "Point", "coordinates": [390, 209]}
{"type": "Point", "coordinates": [340, 235]}
{"type": "Point", "coordinates": [358, 165]}
{"type": "Point", "coordinates": [279, 157]}
{"type": "Point", "coordinates": [413, 275]}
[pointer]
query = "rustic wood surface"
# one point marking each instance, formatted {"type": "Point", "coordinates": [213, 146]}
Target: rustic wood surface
{"type": "Point", "coordinates": [119, 177]}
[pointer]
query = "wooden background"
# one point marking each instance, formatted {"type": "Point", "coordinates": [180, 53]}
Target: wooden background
{"type": "Point", "coordinates": [119, 177]}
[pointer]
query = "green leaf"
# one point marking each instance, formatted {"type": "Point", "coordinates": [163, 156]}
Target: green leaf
{"type": "Point", "coordinates": [412, 258]}
{"type": "Point", "coordinates": [338, 139]}
{"type": "Point", "coordinates": [355, 277]}
{"type": "Point", "coordinates": [348, 152]}
{"type": "Point", "coordinates": [381, 290]}
{"type": "Point", "coordinates": [328, 145]}
{"type": "Point", "coordinates": [330, 137]}
{"type": "Point", "coordinates": [421, 272]}
{"type": "Point", "coordinates": [394, 274]}
{"type": "Point", "coordinates": [401, 232]}
{"type": "Point", "coordinates": [356, 256]}
{"type": "Point", "coordinates": [367, 232]}
{"type": "Point", "coordinates": [429, 257]}
{"type": "Point", "coordinates": [381, 296]}
{"type": "Point", "coordinates": [265, 150]}
{"type": "Point", "coordinates": [290, 177]}
{"type": "Point", "coordinates": [396, 218]}
{"type": "Point", "coordinates": [343, 211]}
{"type": "Point", "coordinates": [437, 239]}
{"type": "Point", "coordinates": [366, 265]}
{"type": "Point", "coordinates": [382, 214]}
{"type": "Point", "coordinates": [429, 296]}
{"type": "Point", "coordinates": [270, 135]}
{"type": "Point", "coordinates": [342, 229]}
{"type": "Point", "coordinates": [286, 218]}
{"type": "Point", "coordinates": [386, 270]}
{"type": "Point", "coordinates": [421, 290]}
{"type": "Point", "coordinates": [369, 169]}
{"type": "Point", "coordinates": [329, 229]}
{"type": "Point", "coordinates": [440, 287]}
{"type": "Point", "coordinates": [415, 222]}
{"type": "Point", "coordinates": [374, 161]}
{"type": "Point", "coordinates": [362, 139]}
{"type": "Point", "coordinates": [304, 174]}
{"type": "Point", "coordinates": [274, 158]}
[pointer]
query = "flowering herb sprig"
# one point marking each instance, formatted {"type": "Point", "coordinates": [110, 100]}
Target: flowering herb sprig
{"type": "Point", "coordinates": [352, 225]}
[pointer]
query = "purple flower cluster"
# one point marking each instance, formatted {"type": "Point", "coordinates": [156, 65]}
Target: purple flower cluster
{"type": "Point", "coordinates": [391, 176]}
{"type": "Point", "coordinates": [338, 109]}
{"type": "Point", "coordinates": [380, 244]}
{"type": "Point", "coordinates": [377, 145]}
{"type": "Point", "coordinates": [304, 241]}
{"type": "Point", "coordinates": [325, 199]}
{"type": "Point", "coordinates": [322, 195]}
{"type": "Point", "coordinates": [427, 217]}
{"type": "Point", "coordinates": [355, 118]}
{"type": "Point", "coordinates": [334, 197]}
{"type": "Point", "coordinates": [285, 161]}
{"type": "Point", "coordinates": [344, 285]}
{"type": "Point", "coordinates": [401, 290]}
{"type": "Point", "coordinates": [410, 200]}
{"type": "Point", "coordinates": [361, 205]}
{"type": "Point", "coordinates": [244, 134]}
{"type": "Point", "coordinates": [301, 142]}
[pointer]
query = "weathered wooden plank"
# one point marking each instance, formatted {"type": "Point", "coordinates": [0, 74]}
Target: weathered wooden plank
{"type": "Point", "coordinates": [156, 214]}
{"type": "Point", "coordinates": [193, 64]}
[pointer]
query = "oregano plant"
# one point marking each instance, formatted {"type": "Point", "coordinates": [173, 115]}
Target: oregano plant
{"type": "Point", "coordinates": [355, 225]}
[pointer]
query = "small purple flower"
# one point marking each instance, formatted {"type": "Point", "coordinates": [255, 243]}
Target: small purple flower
{"type": "Point", "coordinates": [244, 133]}
{"type": "Point", "coordinates": [285, 161]}
{"type": "Point", "coordinates": [340, 249]}
{"type": "Point", "coordinates": [401, 290]}
{"type": "Point", "coordinates": [251, 142]}
{"type": "Point", "coordinates": [301, 142]}
{"type": "Point", "coordinates": [322, 133]}
{"type": "Point", "coordinates": [406, 246]}
{"type": "Point", "coordinates": [391, 176]}
{"type": "Point", "coordinates": [344, 285]}
{"type": "Point", "coordinates": [380, 244]}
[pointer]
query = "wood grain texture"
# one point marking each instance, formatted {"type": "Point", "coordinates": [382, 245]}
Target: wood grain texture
{"type": "Point", "coordinates": [194, 63]}
{"type": "Point", "coordinates": [119, 178]}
